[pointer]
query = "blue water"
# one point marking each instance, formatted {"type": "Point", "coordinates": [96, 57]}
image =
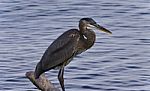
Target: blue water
{"type": "Point", "coordinates": [117, 62]}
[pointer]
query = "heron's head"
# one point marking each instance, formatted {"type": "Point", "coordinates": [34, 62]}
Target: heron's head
{"type": "Point", "coordinates": [89, 23]}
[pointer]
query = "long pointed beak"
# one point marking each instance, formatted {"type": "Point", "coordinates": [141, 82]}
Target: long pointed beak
{"type": "Point", "coordinates": [102, 29]}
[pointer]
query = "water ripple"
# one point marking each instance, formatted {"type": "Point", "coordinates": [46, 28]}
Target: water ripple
{"type": "Point", "coordinates": [119, 62]}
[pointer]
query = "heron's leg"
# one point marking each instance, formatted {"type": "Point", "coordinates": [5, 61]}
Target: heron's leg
{"type": "Point", "coordinates": [61, 78]}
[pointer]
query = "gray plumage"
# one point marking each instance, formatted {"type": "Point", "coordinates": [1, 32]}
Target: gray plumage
{"type": "Point", "coordinates": [60, 51]}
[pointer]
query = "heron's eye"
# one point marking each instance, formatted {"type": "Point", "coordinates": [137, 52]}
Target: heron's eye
{"type": "Point", "coordinates": [93, 22]}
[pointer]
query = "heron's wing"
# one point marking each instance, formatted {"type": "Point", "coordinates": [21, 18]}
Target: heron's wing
{"type": "Point", "coordinates": [61, 50]}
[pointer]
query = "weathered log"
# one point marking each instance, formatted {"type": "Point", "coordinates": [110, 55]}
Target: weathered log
{"type": "Point", "coordinates": [41, 83]}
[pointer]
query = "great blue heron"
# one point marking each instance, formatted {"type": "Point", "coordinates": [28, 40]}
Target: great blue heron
{"type": "Point", "coordinates": [66, 46]}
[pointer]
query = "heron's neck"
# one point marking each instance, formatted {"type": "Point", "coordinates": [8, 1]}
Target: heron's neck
{"type": "Point", "coordinates": [89, 38]}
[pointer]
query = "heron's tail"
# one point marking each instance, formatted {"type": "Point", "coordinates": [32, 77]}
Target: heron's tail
{"type": "Point", "coordinates": [38, 70]}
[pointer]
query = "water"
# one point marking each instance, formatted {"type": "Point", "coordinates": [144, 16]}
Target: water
{"type": "Point", "coordinates": [118, 62]}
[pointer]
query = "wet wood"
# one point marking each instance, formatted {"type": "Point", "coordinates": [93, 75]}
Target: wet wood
{"type": "Point", "coordinates": [41, 83]}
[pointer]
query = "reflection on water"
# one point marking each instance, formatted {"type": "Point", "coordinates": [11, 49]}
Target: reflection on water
{"type": "Point", "coordinates": [119, 62]}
